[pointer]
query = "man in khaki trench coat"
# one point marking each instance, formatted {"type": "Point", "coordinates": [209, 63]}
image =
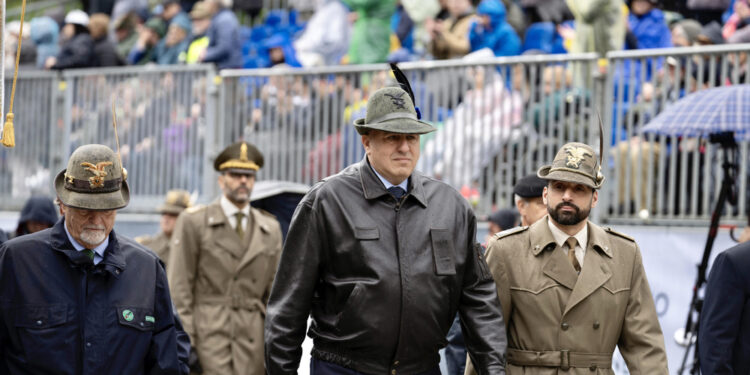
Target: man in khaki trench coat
{"type": "Point", "coordinates": [222, 262]}
{"type": "Point", "coordinates": [566, 310]}
{"type": "Point", "coordinates": [176, 201]}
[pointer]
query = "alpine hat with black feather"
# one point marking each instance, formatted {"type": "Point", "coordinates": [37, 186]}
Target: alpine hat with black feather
{"type": "Point", "coordinates": [392, 109]}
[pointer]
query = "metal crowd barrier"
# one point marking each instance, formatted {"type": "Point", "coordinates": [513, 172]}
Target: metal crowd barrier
{"type": "Point", "coordinates": [497, 120]}
{"type": "Point", "coordinates": [660, 179]}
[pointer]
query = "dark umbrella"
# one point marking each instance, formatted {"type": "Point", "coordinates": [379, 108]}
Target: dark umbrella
{"type": "Point", "coordinates": [280, 198]}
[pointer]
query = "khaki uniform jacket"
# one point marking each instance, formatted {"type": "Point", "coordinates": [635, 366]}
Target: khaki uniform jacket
{"type": "Point", "coordinates": [220, 285]}
{"type": "Point", "coordinates": [159, 243]}
{"type": "Point", "coordinates": [549, 309]}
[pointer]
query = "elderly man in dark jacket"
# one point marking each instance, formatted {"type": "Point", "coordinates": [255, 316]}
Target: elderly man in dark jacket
{"type": "Point", "coordinates": [382, 257]}
{"type": "Point", "coordinates": [77, 298]}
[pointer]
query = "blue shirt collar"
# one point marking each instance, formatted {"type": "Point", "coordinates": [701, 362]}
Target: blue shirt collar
{"type": "Point", "coordinates": [404, 184]}
{"type": "Point", "coordinates": [98, 251]}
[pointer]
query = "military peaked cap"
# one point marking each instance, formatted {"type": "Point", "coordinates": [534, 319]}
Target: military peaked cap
{"type": "Point", "coordinates": [241, 157]}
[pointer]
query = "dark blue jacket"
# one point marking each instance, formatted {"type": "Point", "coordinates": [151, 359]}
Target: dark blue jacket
{"type": "Point", "coordinates": [59, 314]}
{"type": "Point", "coordinates": [224, 43]}
{"type": "Point", "coordinates": [724, 335]}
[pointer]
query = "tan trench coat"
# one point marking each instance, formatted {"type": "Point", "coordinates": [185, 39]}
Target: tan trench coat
{"type": "Point", "coordinates": [549, 309]}
{"type": "Point", "coordinates": [158, 243]}
{"type": "Point", "coordinates": [220, 286]}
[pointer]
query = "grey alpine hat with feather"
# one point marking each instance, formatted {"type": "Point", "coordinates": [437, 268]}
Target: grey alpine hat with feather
{"type": "Point", "coordinates": [392, 109]}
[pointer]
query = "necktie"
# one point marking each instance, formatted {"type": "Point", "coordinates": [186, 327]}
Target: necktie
{"type": "Point", "coordinates": [571, 242]}
{"type": "Point", "coordinates": [240, 230]}
{"type": "Point", "coordinates": [89, 253]}
{"type": "Point", "coordinates": [397, 192]}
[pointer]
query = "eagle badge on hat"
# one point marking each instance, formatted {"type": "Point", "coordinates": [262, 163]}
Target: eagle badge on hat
{"type": "Point", "coordinates": [99, 173]}
{"type": "Point", "coordinates": [576, 156]}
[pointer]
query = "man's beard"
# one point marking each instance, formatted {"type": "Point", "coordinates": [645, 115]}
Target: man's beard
{"type": "Point", "coordinates": [567, 218]}
{"type": "Point", "coordinates": [91, 236]}
{"type": "Point", "coordinates": [238, 196]}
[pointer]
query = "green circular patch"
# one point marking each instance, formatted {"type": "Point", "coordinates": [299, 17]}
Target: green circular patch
{"type": "Point", "coordinates": [127, 314]}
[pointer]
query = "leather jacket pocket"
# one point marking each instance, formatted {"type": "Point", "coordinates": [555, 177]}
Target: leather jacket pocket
{"type": "Point", "coordinates": [443, 252]}
{"type": "Point", "coordinates": [43, 329]}
{"type": "Point", "coordinates": [361, 233]}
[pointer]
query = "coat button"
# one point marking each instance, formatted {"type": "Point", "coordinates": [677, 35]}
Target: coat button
{"type": "Point", "coordinates": [39, 322]}
{"type": "Point", "coordinates": [596, 324]}
{"type": "Point", "coordinates": [141, 324]}
{"type": "Point", "coordinates": [592, 368]}
{"type": "Point", "coordinates": [564, 326]}
{"type": "Point", "coordinates": [88, 344]}
{"type": "Point", "coordinates": [395, 363]}
{"type": "Point", "coordinates": [393, 372]}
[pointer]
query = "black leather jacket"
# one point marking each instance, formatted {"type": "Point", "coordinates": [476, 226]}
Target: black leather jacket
{"type": "Point", "coordinates": [382, 279]}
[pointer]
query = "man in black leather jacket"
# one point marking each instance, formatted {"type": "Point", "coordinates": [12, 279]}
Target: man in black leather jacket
{"type": "Point", "coordinates": [383, 257]}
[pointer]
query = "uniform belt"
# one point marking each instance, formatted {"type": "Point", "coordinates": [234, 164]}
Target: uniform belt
{"type": "Point", "coordinates": [235, 302]}
{"type": "Point", "coordinates": [563, 359]}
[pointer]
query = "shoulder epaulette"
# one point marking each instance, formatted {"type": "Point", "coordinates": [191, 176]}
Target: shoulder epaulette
{"type": "Point", "coordinates": [510, 231]}
{"type": "Point", "coordinates": [195, 208]}
{"type": "Point", "coordinates": [616, 233]}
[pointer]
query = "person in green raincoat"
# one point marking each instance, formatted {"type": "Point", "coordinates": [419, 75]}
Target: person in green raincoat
{"type": "Point", "coordinates": [371, 38]}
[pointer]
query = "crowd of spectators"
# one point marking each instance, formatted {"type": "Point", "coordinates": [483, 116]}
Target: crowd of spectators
{"type": "Point", "coordinates": [332, 32]}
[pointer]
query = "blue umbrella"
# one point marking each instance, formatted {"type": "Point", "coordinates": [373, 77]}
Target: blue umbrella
{"type": "Point", "coordinates": [712, 111]}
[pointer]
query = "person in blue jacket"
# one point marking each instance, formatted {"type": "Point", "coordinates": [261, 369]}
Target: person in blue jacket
{"type": "Point", "coordinates": [492, 30]}
{"type": "Point", "coordinates": [79, 299]}
{"type": "Point", "coordinates": [224, 42]}
{"type": "Point", "coordinates": [724, 334]}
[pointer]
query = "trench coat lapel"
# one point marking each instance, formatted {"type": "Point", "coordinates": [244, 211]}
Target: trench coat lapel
{"type": "Point", "coordinates": [596, 268]}
{"type": "Point", "coordinates": [259, 237]}
{"type": "Point", "coordinates": [224, 235]}
{"type": "Point", "coordinates": [556, 266]}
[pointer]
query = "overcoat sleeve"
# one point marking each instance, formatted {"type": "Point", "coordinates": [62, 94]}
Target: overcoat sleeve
{"type": "Point", "coordinates": [183, 264]}
{"type": "Point", "coordinates": [641, 341]}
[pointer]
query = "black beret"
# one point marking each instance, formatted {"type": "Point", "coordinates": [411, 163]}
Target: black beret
{"type": "Point", "coordinates": [529, 186]}
{"type": "Point", "coordinates": [505, 218]}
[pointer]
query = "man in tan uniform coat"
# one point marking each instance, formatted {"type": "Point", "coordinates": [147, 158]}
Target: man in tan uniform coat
{"type": "Point", "coordinates": [566, 310]}
{"type": "Point", "coordinates": [222, 262]}
{"type": "Point", "coordinates": [175, 202]}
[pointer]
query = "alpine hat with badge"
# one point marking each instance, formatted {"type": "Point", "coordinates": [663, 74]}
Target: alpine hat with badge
{"type": "Point", "coordinates": [391, 109]}
{"type": "Point", "coordinates": [575, 162]}
{"type": "Point", "coordinates": [177, 200]}
{"type": "Point", "coordinates": [93, 180]}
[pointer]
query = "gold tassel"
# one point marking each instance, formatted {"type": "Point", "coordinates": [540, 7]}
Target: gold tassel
{"type": "Point", "coordinates": [9, 139]}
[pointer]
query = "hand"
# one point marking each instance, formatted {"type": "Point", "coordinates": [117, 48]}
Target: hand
{"type": "Point", "coordinates": [353, 16]}
{"type": "Point", "coordinates": [194, 363]}
{"type": "Point", "coordinates": [202, 55]}
{"type": "Point", "coordinates": [50, 62]}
